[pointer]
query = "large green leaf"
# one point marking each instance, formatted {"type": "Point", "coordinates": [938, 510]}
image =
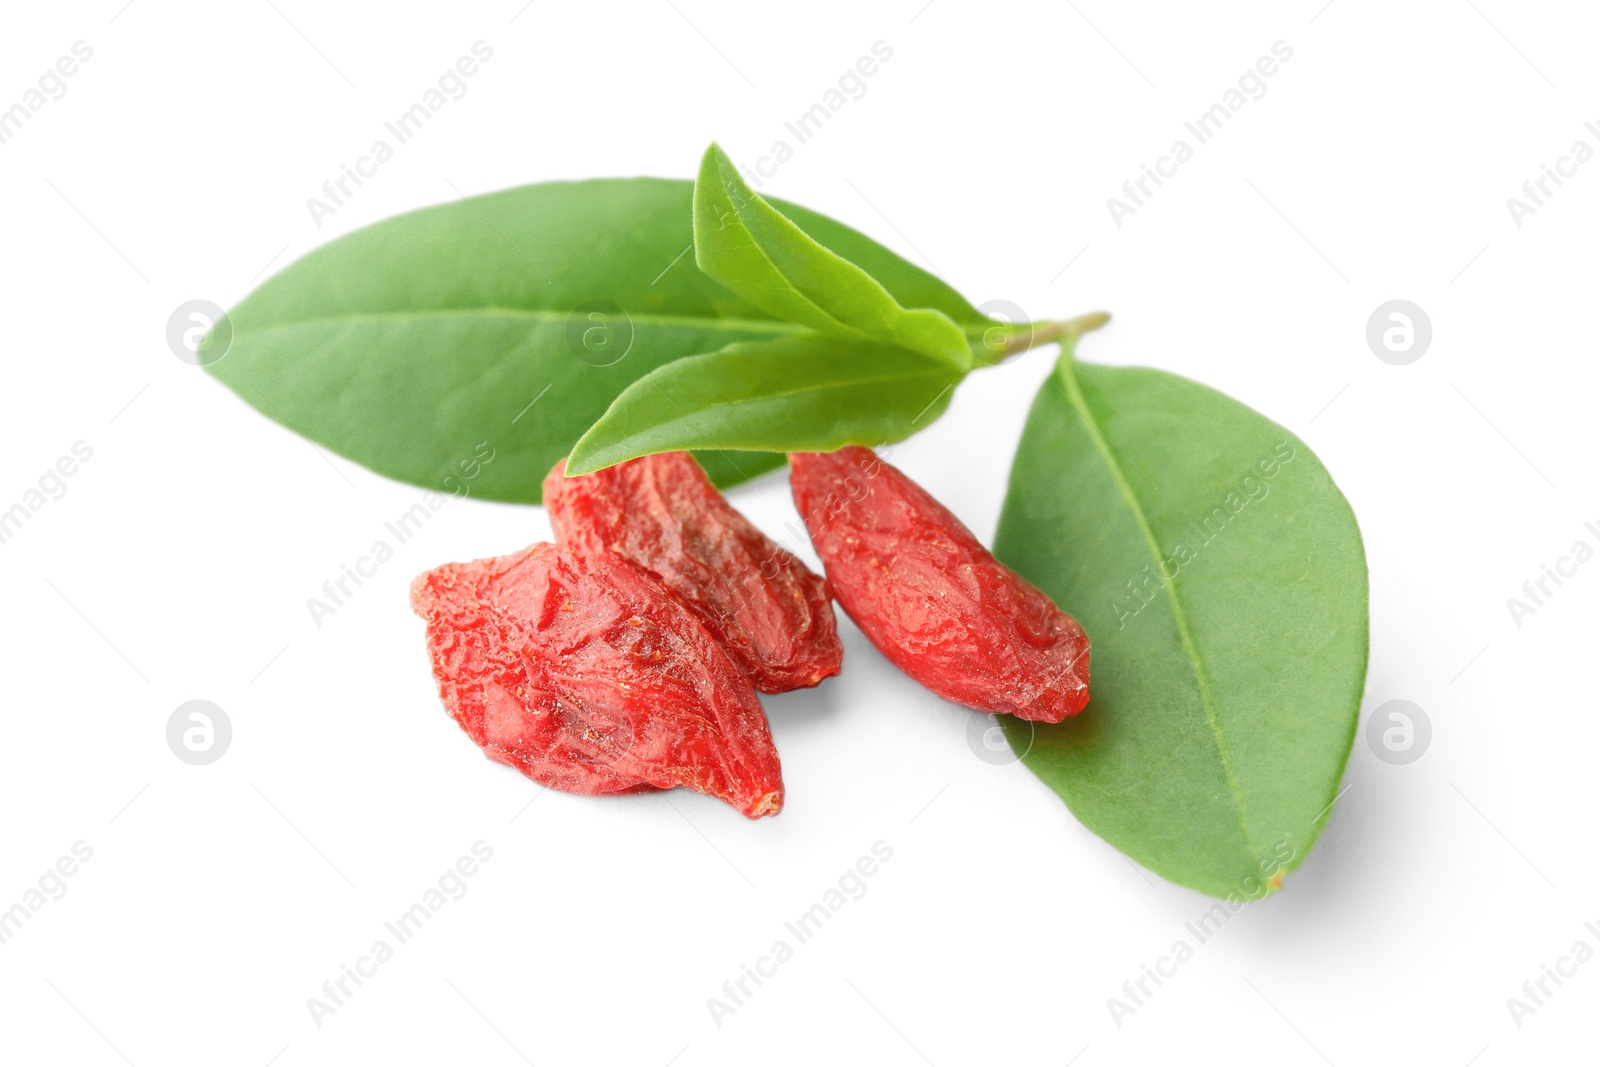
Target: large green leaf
{"type": "Point", "coordinates": [748, 245]}
{"type": "Point", "coordinates": [404, 345]}
{"type": "Point", "coordinates": [1220, 576]}
{"type": "Point", "coordinates": [803, 393]}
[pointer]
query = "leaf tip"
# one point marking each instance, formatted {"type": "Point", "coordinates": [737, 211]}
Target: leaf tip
{"type": "Point", "coordinates": [712, 161]}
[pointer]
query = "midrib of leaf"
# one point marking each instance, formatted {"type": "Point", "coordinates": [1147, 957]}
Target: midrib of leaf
{"type": "Point", "coordinates": [789, 286]}
{"type": "Point", "coordinates": [797, 391]}
{"type": "Point", "coordinates": [543, 314]}
{"type": "Point", "coordinates": [1074, 395]}
{"type": "Point", "coordinates": [803, 390]}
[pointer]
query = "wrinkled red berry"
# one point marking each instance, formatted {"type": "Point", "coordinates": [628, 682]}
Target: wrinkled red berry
{"type": "Point", "coordinates": [587, 675]}
{"type": "Point", "coordinates": [771, 613]}
{"type": "Point", "coordinates": [931, 597]}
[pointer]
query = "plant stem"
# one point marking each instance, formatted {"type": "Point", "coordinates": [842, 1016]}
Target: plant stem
{"type": "Point", "coordinates": [1074, 327]}
{"type": "Point", "coordinates": [1041, 333]}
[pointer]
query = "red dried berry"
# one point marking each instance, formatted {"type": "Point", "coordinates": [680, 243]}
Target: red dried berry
{"type": "Point", "coordinates": [587, 675]}
{"type": "Point", "coordinates": [931, 597]}
{"type": "Point", "coordinates": [772, 614]}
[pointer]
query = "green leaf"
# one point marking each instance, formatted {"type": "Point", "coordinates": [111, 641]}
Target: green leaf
{"type": "Point", "coordinates": [1220, 576]}
{"type": "Point", "coordinates": [406, 344]}
{"type": "Point", "coordinates": [805, 393]}
{"type": "Point", "coordinates": [748, 245]}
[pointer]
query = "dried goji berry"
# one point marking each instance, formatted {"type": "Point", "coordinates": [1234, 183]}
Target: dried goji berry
{"type": "Point", "coordinates": [586, 674]}
{"type": "Point", "coordinates": [931, 597]}
{"type": "Point", "coordinates": [772, 614]}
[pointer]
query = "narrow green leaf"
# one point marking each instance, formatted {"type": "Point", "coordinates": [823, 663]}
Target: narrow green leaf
{"type": "Point", "coordinates": [748, 245]}
{"type": "Point", "coordinates": [804, 393]}
{"type": "Point", "coordinates": [1220, 576]}
{"type": "Point", "coordinates": [496, 319]}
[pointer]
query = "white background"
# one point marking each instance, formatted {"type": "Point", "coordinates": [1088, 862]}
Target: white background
{"type": "Point", "coordinates": [178, 563]}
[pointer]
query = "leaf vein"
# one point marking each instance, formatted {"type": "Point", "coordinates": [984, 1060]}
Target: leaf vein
{"type": "Point", "coordinates": [1066, 380]}
{"type": "Point", "coordinates": [542, 314]}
